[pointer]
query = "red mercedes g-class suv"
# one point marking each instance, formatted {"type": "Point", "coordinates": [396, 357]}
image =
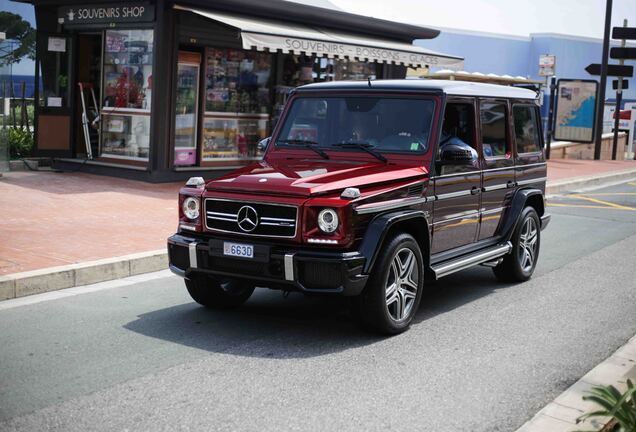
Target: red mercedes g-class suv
{"type": "Point", "coordinates": [372, 189]}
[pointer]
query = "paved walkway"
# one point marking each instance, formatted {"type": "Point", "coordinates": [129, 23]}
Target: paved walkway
{"type": "Point", "coordinates": [561, 169]}
{"type": "Point", "coordinates": [51, 219]}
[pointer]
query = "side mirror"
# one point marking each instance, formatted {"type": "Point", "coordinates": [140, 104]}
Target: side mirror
{"type": "Point", "coordinates": [262, 144]}
{"type": "Point", "coordinates": [456, 155]}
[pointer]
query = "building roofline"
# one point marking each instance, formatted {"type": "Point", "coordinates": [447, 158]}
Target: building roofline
{"type": "Point", "coordinates": [299, 13]}
{"type": "Point", "coordinates": [484, 34]}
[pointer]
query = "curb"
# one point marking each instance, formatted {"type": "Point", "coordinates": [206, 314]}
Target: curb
{"type": "Point", "coordinates": [69, 276]}
{"type": "Point", "coordinates": [599, 180]}
{"type": "Point", "coordinates": [560, 415]}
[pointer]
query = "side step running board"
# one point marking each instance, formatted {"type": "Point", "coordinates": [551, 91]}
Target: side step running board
{"type": "Point", "coordinates": [464, 262]}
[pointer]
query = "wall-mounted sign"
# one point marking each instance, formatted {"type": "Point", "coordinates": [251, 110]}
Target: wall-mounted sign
{"type": "Point", "coordinates": [547, 65]}
{"type": "Point", "coordinates": [106, 14]}
{"type": "Point", "coordinates": [57, 44]}
{"type": "Point", "coordinates": [575, 112]}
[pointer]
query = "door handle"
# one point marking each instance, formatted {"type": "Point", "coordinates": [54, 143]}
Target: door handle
{"type": "Point", "coordinates": [510, 184]}
{"type": "Point", "coordinates": [475, 190]}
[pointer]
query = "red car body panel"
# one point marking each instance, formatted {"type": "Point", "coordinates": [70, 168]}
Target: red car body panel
{"type": "Point", "coordinates": [308, 177]}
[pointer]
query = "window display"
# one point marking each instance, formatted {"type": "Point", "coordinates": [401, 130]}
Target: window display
{"type": "Point", "coordinates": [237, 81]}
{"type": "Point", "coordinates": [127, 93]}
{"type": "Point", "coordinates": [237, 103]}
{"type": "Point", "coordinates": [233, 137]}
{"type": "Point", "coordinates": [125, 134]}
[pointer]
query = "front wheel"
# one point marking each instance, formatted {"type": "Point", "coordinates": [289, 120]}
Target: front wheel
{"type": "Point", "coordinates": [218, 293]}
{"type": "Point", "coordinates": [393, 293]}
{"type": "Point", "coordinates": [519, 265]}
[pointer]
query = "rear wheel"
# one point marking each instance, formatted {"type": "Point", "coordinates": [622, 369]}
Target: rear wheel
{"type": "Point", "coordinates": [218, 293]}
{"type": "Point", "coordinates": [519, 265]}
{"type": "Point", "coordinates": [393, 293]}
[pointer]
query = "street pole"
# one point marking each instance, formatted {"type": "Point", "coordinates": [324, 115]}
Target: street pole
{"type": "Point", "coordinates": [619, 99]}
{"type": "Point", "coordinates": [550, 117]}
{"type": "Point", "coordinates": [600, 106]}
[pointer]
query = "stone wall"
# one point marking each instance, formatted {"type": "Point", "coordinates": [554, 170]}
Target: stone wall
{"type": "Point", "coordinates": [570, 150]}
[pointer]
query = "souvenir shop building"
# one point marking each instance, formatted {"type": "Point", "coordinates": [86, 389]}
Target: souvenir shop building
{"type": "Point", "coordinates": [190, 87]}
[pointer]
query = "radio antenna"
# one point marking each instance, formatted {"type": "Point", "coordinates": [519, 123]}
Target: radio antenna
{"type": "Point", "coordinates": [369, 81]}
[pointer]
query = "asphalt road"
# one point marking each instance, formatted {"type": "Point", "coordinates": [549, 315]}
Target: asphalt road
{"type": "Point", "coordinates": [137, 354]}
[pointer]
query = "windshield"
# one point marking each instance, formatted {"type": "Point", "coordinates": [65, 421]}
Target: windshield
{"type": "Point", "coordinates": [381, 124]}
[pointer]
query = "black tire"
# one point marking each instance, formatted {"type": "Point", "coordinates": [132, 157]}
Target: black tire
{"type": "Point", "coordinates": [372, 306]}
{"type": "Point", "coordinates": [218, 294]}
{"type": "Point", "coordinates": [514, 267]}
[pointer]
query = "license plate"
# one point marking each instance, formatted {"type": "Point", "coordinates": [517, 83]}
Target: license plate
{"type": "Point", "coordinates": [238, 250]}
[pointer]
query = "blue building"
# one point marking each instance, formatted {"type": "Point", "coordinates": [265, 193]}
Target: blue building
{"type": "Point", "coordinates": [514, 55]}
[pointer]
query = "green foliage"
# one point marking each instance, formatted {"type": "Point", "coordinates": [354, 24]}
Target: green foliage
{"type": "Point", "coordinates": [20, 30]}
{"type": "Point", "coordinates": [620, 407]}
{"type": "Point", "coordinates": [18, 121]}
{"type": "Point", "coordinates": [20, 143]}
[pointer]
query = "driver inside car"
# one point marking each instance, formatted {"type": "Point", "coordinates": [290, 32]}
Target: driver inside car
{"type": "Point", "coordinates": [450, 136]}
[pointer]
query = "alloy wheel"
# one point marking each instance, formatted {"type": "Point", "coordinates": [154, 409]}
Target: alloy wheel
{"type": "Point", "coordinates": [528, 244]}
{"type": "Point", "coordinates": [402, 284]}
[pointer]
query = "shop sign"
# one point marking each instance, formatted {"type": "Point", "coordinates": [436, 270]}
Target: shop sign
{"type": "Point", "coordinates": [106, 14]}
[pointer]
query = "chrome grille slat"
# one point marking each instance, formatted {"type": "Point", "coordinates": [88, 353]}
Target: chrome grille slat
{"type": "Point", "coordinates": [274, 220]}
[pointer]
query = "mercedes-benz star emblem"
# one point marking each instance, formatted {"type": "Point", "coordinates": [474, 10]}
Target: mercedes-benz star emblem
{"type": "Point", "coordinates": [247, 218]}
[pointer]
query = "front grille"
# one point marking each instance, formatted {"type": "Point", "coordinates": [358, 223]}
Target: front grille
{"type": "Point", "coordinates": [251, 218]}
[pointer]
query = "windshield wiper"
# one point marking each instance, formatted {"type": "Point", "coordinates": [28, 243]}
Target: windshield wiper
{"type": "Point", "coordinates": [306, 144]}
{"type": "Point", "coordinates": [365, 146]}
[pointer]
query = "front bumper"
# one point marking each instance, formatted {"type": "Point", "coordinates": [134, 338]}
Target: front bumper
{"type": "Point", "coordinates": [274, 266]}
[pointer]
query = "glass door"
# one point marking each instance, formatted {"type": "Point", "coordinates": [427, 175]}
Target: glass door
{"type": "Point", "coordinates": [187, 113]}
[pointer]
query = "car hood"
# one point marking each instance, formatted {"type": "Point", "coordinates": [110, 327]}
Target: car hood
{"type": "Point", "coordinates": [306, 178]}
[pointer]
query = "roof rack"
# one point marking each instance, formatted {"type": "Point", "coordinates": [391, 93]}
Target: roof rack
{"type": "Point", "coordinates": [447, 74]}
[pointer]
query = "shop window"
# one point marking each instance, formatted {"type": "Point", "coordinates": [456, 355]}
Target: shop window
{"type": "Point", "coordinates": [526, 130]}
{"type": "Point", "coordinates": [54, 57]}
{"type": "Point", "coordinates": [493, 130]}
{"type": "Point", "coordinates": [127, 93]}
{"type": "Point", "coordinates": [237, 103]}
{"type": "Point", "coordinates": [186, 109]}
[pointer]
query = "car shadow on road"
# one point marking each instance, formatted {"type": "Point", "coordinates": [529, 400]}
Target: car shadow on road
{"type": "Point", "coordinates": [271, 326]}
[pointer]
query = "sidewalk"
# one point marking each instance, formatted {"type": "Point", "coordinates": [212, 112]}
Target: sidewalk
{"type": "Point", "coordinates": [51, 219]}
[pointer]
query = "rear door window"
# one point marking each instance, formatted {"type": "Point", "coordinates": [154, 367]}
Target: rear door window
{"type": "Point", "coordinates": [526, 129]}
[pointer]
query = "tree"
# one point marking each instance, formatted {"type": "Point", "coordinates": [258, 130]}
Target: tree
{"type": "Point", "coordinates": [21, 31]}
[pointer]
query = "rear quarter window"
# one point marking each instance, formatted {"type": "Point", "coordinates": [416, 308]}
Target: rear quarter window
{"type": "Point", "coordinates": [526, 128]}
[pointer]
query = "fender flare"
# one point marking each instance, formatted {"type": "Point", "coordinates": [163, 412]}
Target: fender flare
{"type": "Point", "coordinates": [377, 231]}
{"type": "Point", "coordinates": [517, 205]}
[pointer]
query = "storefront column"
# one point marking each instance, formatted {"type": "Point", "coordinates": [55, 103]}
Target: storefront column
{"type": "Point", "coordinates": [162, 112]}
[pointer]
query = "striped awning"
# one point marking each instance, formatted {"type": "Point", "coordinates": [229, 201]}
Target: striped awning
{"type": "Point", "coordinates": [269, 35]}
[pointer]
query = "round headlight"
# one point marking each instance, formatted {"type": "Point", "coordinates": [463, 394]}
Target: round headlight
{"type": "Point", "coordinates": [328, 220]}
{"type": "Point", "coordinates": [191, 208]}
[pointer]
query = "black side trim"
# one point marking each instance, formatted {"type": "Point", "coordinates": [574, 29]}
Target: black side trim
{"type": "Point", "coordinates": [516, 207]}
{"type": "Point", "coordinates": [377, 230]}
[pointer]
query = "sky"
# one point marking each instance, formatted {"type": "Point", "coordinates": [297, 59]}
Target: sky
{"type": "Point", "coordinates": [25, 67]}
{"type": "Point", "coordinates": [513, 17]}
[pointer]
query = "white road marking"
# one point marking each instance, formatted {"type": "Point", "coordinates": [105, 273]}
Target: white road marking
{"type": "Point", "coordinates": [85, 289]}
